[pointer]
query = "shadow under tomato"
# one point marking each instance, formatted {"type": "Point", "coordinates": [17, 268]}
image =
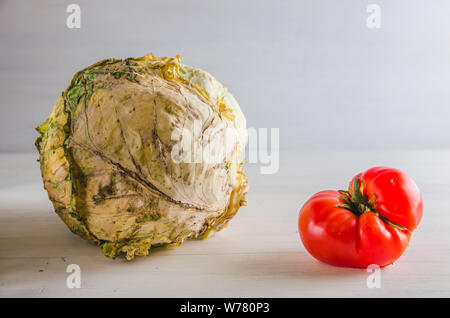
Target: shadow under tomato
{"type": "Point", "coordinates": [294, 265]}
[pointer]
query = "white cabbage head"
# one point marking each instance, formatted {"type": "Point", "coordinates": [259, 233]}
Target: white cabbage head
{"type": "Point", "coordinates": [144, 152]}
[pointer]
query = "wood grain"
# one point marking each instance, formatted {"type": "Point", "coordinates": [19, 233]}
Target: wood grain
{"type": "Point", "coordinates": [258, 255]}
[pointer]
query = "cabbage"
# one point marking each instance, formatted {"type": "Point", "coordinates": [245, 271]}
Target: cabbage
{"type": "Point", "coordinates": [118, 154]}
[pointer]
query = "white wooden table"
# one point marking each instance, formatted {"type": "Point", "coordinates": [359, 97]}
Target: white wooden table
{"type": "Point", "coordinates": [258, 255]}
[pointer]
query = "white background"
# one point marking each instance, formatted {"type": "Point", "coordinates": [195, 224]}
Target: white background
{"type": "Point", "coordinates": [311, 68]}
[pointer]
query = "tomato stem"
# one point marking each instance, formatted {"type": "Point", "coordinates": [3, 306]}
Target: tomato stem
{"type": "Point", "coordinates": [355, 200]}
{"type": "Point", "coordinates": [358, 203]}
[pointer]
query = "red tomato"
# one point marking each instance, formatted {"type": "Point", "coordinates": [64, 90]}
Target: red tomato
{"type": "Point", "coordinates": [371, 223]}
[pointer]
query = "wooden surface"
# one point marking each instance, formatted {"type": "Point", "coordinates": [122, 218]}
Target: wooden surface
{"type": "Point", "coordinates": [258, 255]}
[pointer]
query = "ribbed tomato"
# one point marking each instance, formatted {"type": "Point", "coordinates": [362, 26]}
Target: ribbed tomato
{"type": "Point", "coordinates": [371, 223]}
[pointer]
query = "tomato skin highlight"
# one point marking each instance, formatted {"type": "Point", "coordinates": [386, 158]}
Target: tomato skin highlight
{"type": "Point", "coordinates": [339, 236]}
